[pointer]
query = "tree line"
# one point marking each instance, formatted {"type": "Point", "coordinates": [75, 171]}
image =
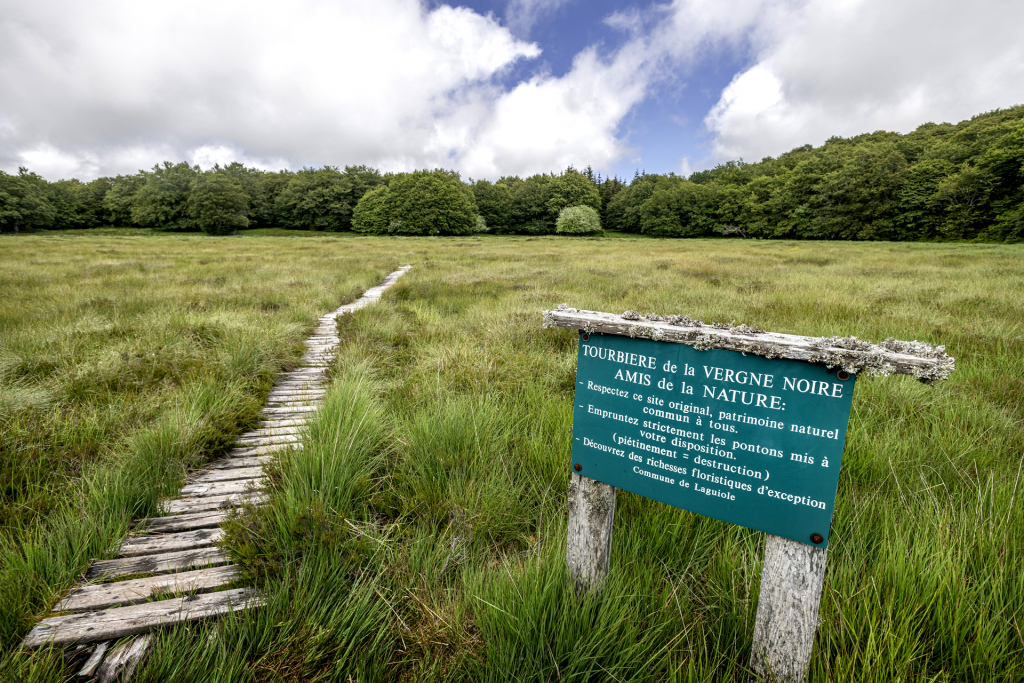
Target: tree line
{"type": "Point", "coordinates": [942, 181]}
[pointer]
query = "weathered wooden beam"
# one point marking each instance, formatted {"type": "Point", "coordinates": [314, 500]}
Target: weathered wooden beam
{"type": "Point", "coordinates": [169, 543]}
{"type": "Point", "coordinates": [293, 430]}
{"type": "Point", "coordinates": [234, 463]}
{"type": "Point", "coordinates": [294, 401]}
{"type": "Point", "coordinates": [787, 611]}
{"type": "Point", "coordinates": [290, 410]}
{"type": "Point", "coordinates": [196, 520]}
{"type": "Point", "coordinates": [270, 424]}
{"type": "Point", "coordinates": [228, 474]}
{"type": "Point", "coordinates": [119, 622]}
{"type": "Point", "coordinates": [180, 506]}
{"type": "Point", "coordinates": [102, 595]}
{"type": "Point", "coordinates": [218, 488]}
{"type": "Point", "coordinates": [93, 663]}
{"type": "Point", "coordinates": [164, 563]}
{"type": "Point", "coordinates": [927, 362]}
{"type": "Point", "coordinates": [123, 660]}
{"type": "Point", "coordinates": [589, 547]}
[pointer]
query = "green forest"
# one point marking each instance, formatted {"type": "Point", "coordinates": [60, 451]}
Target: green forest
{"type": "Point", "coordinates": [943, 181]}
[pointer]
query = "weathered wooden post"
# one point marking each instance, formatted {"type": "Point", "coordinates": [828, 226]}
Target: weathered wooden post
{"type": "Point", "coordinates": [727, 421]}
{"type": "Point", "coordinates": [787, 610]}
{"type": "Point", "coordinates": [589, 548]}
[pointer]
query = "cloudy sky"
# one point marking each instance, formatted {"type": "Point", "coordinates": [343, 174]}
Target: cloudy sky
{"type": "Point", "coordinates": [489, 87]}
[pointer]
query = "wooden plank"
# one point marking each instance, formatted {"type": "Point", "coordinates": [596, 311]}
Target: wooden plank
{"type": "Point", "coordinates": [286, 394]}
{"type": "Point", "coordinates": [292, 410]}
{"type": "Point", "coordinates": [268, 440]}
{"type": "Point", "coordinates": [127, 621]}
{"type": "Point", "coordinates": [188, 505]}
{"type": "Point", "coordinates": [164, 563]}
{"type": "Point", "coordinates": [230, 463]}
{"type": "Point", "coordinates": [252, 451]}
{"type": "Point", "coordinates": [275, 431]}
{"type": "Point", "coordinates": [300, 384]}
{"type": "Point", "coordinates": [196, 520]}
{"type": "Point", "coordinates": [217, 488]}
{"type": "Point", "coordinates": [787, 610]}
{"type": "Point", "coordinates": [94, 660]}
{"type": "Point", "coordinates": [270, 424]}
{"type": "Point", "coordinates": [297, 394]}
{"type": "Point", "coordinates": [295, 401]}
{"type": "Point", "coordinates": [103, 595]}
{"type": "Point", "coordinates": [168, 543]}
{"type": "Point", "coordinates": [927, 362]}
{"type": "Point", "coordinates": [228, 474]}
{"type": "Point", "coordinates": [123, 660]}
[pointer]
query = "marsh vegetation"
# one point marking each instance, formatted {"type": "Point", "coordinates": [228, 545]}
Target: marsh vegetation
{"type": "Point", "coordinates": [420, 533]}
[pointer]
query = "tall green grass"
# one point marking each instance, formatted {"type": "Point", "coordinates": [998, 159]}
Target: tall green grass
{"type": "Point", "coordinates": [125, 361]}
{"type": "Point", "coordinates": [419, 535]}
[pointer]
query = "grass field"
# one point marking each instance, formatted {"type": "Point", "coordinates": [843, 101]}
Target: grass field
{"type": "Point", "coordinates": [420, 534]}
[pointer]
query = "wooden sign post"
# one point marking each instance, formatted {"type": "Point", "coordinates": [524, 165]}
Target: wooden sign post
{"type": "Point", "coordinates": [731, 422]}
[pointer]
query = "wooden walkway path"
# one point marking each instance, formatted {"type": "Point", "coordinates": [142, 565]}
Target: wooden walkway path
{"type": "Point", "coordinates": [179, 551]}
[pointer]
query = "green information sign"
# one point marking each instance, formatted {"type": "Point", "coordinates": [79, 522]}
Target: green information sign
{"type": "Point", "coordinates": [741, 438]}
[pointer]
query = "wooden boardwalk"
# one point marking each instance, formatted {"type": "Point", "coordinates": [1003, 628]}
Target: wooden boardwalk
{"type": "Point", "coordinates": [178, 552]}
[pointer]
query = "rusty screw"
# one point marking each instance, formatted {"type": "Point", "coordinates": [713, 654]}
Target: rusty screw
{"type": "Point", "coordinates": [843, 375]}
{"type": "Point", "coordinates": [586, 337]}
{"type": "Point", "coordinates": [577, 467]}
{"type": "Point", "coordinates": [817, 538]}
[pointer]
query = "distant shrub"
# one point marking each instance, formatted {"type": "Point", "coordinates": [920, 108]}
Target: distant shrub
{"type": "Point", "coordinates": [481, 225]}
{"type": "Point", "coordinates": [578, 220]}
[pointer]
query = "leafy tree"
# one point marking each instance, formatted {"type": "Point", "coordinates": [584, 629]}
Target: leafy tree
{"type": "Point", "coordinates": [316, 199]}
{"type": "Point", "coordinates": [218, 203]}
{"type": "Point", "coordinates": [162, 202]}
{"type": "Point", "coordinates": [371, 215]}
{"type": "Point", "coordinates": [119, 199]}
{"type": "Point", "coordinates": [918, 211]}
{"type": "Point", "coordinates": [430, 203]}
{"type": "Point", "coordinates": [609, 189]}
{"type": "Point", "coordinates": [572, 188]}
{"type": "Point", "coordinates": [964, 195]}
{"type": "Point", "coordinates": [578, 220]}
{"type": "Point", "coordinates": [530, 212]}
{"type": "Point", "coordinates": [494, 202]}
{"type": "Point", "coordinates": [271, 185]}
{"type": "Point", "coordinates": [23, 202]}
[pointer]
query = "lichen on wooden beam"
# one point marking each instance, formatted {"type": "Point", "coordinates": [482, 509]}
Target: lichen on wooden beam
{"type": "Point", "coordinates": [927, 362]}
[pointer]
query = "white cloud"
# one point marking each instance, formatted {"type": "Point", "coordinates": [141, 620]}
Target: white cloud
{"type": "Point", "coordinates": [843, 68]}
{"type": "Point", "coordinates": [522, 15]}
{"type": "Point", "coordinates": [96, 88]}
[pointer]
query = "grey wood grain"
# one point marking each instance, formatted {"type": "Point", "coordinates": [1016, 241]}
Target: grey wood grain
{"type": "Point", "coordinates": [228, 474]}
{"type": "Point", "coordinates": [589, 544]}
{"type": "Point", "coordinates": [164, 563]}
{"type": "Point", "coordinates": [119, 622]}
{"type": "Point", "coordinates": [102, 595]}
{"type": "Point", "coordinates": [124, 660]}
{"type": "Point", "coordinates": [218, 488]}
{"type": "Point", "coordinates": [927, 362]}
{"type": "Point", "coordinates": [787, 610]}
{"type": "Point", "coordinates": [168, 543]}
{"type": "Point", "coordinates": [196, 520]}
{"type": "Point", "coordinates": [180, 506]}
{"type": "Point", "coordinates": [234, 463]}
{"type": "Point", "coordinates": [93, 663]}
